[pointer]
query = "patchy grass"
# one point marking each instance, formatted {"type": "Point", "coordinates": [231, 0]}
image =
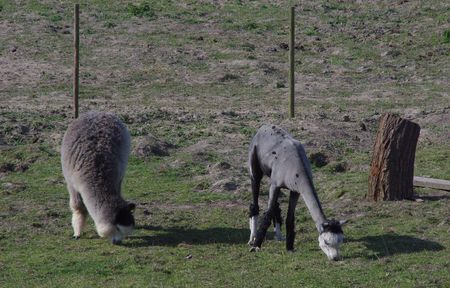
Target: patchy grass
{"type": "Point", "coordinates": [183, 239]}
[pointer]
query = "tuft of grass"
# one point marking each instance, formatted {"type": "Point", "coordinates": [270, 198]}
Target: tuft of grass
{"type": "Point", "coordinates": [311, 31]}
{"type": "Point", "coordinates": [143, 9]}
{"type": "Point", "coordinates": [446, 36]}
{"type": "Point", "coordinates": [110, 24]}
{"type": "Point", "coordinates": [56, 18]}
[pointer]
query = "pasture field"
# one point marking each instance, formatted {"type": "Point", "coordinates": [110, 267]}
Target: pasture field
{"type": "Point", "coordinates": [202, 76]}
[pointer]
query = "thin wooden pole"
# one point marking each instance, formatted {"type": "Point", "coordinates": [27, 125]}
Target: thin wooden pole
{"type": "Point", "coordinates": [76, 57]}
{"type": "Point", "coordinates": [291, 64]}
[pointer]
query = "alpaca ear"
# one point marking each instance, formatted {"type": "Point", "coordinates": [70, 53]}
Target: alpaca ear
{"type": "Point", "coordinates": [324, 226]}
{"type": "Point", "coordinates": [342, 222]}
{"type": "Point", "coordinates": [131, 206]}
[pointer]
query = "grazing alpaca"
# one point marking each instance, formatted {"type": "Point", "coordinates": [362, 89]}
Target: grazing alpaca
{"type": "Point", "coordinates": [276, 154]}
{"type": "Point", "coordinates": [94, 156]}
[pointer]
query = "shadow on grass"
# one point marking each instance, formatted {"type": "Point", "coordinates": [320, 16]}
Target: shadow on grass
{"type": "Point", "coordinates": [176, 236]}
{"type": "Point", "coordinates": [391, 244]}
{"type": "Point", "coordinates": [434, 198]}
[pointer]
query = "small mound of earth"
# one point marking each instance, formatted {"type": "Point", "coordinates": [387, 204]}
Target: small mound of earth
{"type": "Point", "coordinates": [219, 166]}
{"type": "Point", "coordinates": [338, 167]}
{"type": "Point", "coordinates": [318, 159]}
{"type": "Point", "coordinates": [219, 170]}
{"type": "Point", "coordinates": [148, 145]}
{"type": "Point", "coordinates": [13, 187]}
{"type": "Point", "coordinates": [198, 147]}
{"type": "Point", "coordinates": [11, 167]}
{"type": "Point", "coordinates": [224, 185]}
{"type": "Point", "coordinates": [200, 151]}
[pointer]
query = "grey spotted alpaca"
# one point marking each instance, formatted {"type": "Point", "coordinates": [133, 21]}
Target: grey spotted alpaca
{"type": "Point", "coordinates": [276, 154]}
{"type": "Point", "coordinates": [94, 156]}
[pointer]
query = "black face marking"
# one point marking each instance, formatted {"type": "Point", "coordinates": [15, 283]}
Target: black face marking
{"type": "Point", "coordinates": [116, 242]}
{"type": "Point", "coordinates": [273, 127]}
{"type": "Point", "coordinates": [124, 217]}
{"type": "Point", "coordinates": [332, 226]}
{"type": "Point", "coordinates": [296, 175]}
{"type": "Point", "coordinates": [273, 152]}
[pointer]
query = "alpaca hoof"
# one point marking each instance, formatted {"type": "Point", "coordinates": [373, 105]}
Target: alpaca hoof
{"type": "Point", "coordinates": [76, 237]}
{"type": "Point", "coordinates": [255, 249]}
{"type": "Point", "coordinates": [251, 241]}
{"type": "Point", "coordinates": [279, 238]}
{"type": "Point", "coordinates": [116, 242]}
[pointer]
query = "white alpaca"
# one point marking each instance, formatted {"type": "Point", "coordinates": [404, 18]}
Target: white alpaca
{"type": "Point", "coordinates": [94, 156]}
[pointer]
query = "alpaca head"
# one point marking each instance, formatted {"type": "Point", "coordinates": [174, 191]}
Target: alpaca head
{"type": "Point", "coordinates": [124, 223]}
{"type": "Point", "coordinates": [331, 237]}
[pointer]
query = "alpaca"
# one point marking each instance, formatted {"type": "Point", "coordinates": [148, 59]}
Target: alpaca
{"type": "Point", "coordinates": [276, 154]}
{"type": "Point", "coordinates": [94, 156]}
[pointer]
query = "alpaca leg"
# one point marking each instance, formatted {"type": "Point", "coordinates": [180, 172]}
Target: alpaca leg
{"type": "Point", "coordinates": [277, 220]}
{"type": "Point", "coordinates": [79, 211]}
{"type": "Point", "coordinates": [267, 219]}
{"type": "Point", "coordinates": [254, 208]}
{"type": "Point", "coordinates": [256, 175]}
{"type": "Point", "coordinates": [290, 221]}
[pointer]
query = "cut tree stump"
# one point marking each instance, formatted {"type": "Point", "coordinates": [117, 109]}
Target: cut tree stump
{"type": "Point", "coordinates": [392, 170]}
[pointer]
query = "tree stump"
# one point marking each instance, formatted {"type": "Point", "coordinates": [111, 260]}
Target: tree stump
{"type": "Point", "coordinates": [392, 170]}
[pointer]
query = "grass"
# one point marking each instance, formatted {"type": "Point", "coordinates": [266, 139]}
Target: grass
{"type": "Point", "coordinates": [204, 77]}
{"type": "Point", "coordinates": [142, 10]}
{"type": "Point", "coordinates": [446, 36]}
{"type": "Point", "coordinates": [399, 243]}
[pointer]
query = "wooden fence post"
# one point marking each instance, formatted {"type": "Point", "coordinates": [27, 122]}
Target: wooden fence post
{"type": "Point", "coordinates": [392, 170]}
{"type": "Point", "coordinates": [76, 57]}
{"type": "Point", "coordinates": [291, 63]}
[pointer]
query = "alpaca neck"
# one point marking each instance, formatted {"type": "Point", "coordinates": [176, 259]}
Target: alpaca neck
{"type": "Point", "coordinates": [311, 199]}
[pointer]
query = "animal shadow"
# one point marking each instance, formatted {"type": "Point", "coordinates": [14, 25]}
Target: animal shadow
{"type": "Point", "coordinates": [435, 197]}
{"type": "Point", "coordinates": [179, 236]}
{"type": "Point", "coordinates": [391, 244]}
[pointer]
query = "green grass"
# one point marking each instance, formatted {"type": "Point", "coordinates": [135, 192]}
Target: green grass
{"type": "Point", "coordinates": [399, 243]}
{"type": "Point", "coordinates": [446, 36]}
{"type": "Point", "coordinates": [142, 10]}
{"type": "Point", "coordinates": [162, 182]}
{"type": "Point", "coordinates": [426, 159]}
